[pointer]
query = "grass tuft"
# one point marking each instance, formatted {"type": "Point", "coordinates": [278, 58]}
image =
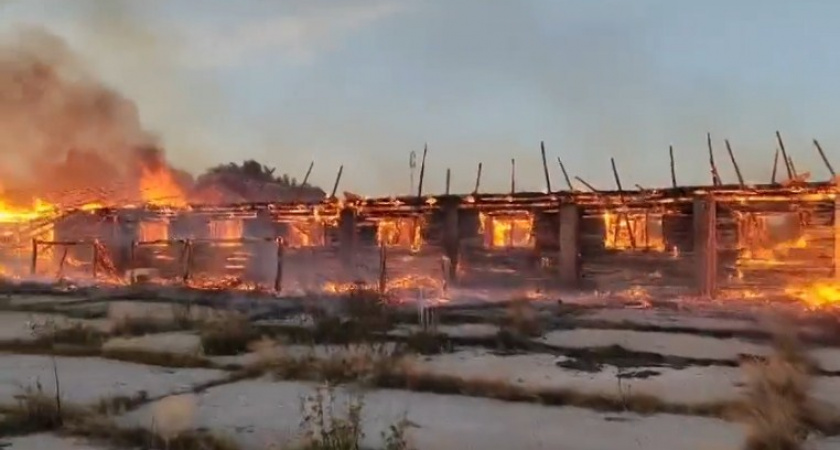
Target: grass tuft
{"type": "Point", "coordinates": [228, 336]}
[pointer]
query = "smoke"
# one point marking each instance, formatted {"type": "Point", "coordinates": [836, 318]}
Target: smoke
{"type": "Point", "coordinates": [132, 45]}
{"type": "Point", "coordinates": [61, 128]}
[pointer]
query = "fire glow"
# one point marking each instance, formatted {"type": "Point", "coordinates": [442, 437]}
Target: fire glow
{"type": "Point", "coordinates": [633, 231]}
{"type": "Point", "coordinates": [509, 230]}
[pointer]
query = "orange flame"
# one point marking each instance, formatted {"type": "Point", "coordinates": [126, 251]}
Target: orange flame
{"type": "Point", "coordinates": [508, 230]}
{"type": "Point", "coordinates": [158, 187]}
{"type": "Point", "coordinates": [818, 294]}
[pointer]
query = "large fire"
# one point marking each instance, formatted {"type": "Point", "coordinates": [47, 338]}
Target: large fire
{"type": "Point", "coordinates": [818, 294]}
{"type": "Point", "coordinates": [507, 230]}
{"type": "Point", "coordinates": [158, 187]}
{"type": "Point", "coordinates": [400, 232]}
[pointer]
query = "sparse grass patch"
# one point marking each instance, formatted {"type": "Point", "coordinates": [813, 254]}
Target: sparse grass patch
{"type": "Point", "coordinates": [522, 319]}
{"type": "Point", "coordinates": [323, 428]}
{"type": "Point", "coordinates": [102, 429]}
{"type": "Point", "coordinates": [778, 409]}
{"type": "Point", "coordinates": [428, 343]}
{"type": "Point", "coordinates": [229, 336]}
{"type": "Point", "coordinates": [76, 334]}
{"type": "Point", "coordinates": [36, 411]}
{"type": "Point", "coordinates": [395, 371]}
{"type": "Point", "coordinates": [142, 325]}
{"type": "Point", "coordinates": [162, 359]}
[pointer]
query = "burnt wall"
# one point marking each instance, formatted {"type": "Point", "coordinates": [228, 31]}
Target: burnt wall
{"type": "Point", "coordinates": [650, 248]}
{"type": "Point", "coordinates": [773, 246]}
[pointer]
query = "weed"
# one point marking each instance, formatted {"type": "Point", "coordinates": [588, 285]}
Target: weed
{"type": "Point", "coordinates": [228, 336]}
{"type": "Point", "coordinates": [522, 319]}
{"type": "Point", "coordinates": [428, 343]}
{"type": "Point", "coordinates": [323, 429]}
{"type": "Point", "coordinates": [780, 413]}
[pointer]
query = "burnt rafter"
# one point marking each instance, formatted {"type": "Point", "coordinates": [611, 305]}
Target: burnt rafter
{"type": "Point", "coordinates": [637, 198]}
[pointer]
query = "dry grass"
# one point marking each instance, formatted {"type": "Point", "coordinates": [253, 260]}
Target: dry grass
{"type": "Point", "coordinates": [779, 410]}
{"type": "Point", "coordinates": [522, 319]}
{"type": "Point", "coordinates": [229, 335]}
{"type": "Point", "coordinates": [376, 368]}
{"type": "Point", "coordinates": [323, 427]}
{"type": "Point", "coordinates": [153, 358]}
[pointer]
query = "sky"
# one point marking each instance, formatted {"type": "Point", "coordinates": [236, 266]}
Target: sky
{"type": "Point", "coordinates": [365, 82]}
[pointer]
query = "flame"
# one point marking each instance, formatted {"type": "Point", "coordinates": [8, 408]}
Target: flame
{"type": "Point", "coordinates": [819, 294]}
{"type": "Point", "coordinates": [308, 233]}
{"type": "Point", "coordinates": [226, 229]}
{"type": "Point", "coordinates": [636, 231]}
{"type": "Point", "coordinates": [158, 187]}
{"type": "Point", "coordinates": [400, 232]}
{"type": "Point", "coordinates": [507, 230]}
{"type": "Point", "coordinates": [154, 230]}
{"type": "Point", "coordinates": [759, 243]}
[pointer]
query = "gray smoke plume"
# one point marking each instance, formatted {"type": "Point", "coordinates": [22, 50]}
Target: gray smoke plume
{"type": "Point", "coordinates": [60, 127]}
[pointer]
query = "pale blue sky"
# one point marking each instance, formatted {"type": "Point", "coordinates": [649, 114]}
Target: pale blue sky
{"type": "Point", "coordinates": [364, 82]}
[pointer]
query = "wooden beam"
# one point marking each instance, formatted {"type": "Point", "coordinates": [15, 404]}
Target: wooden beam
{"type": "Point", "coordinates": [308, 172]}
{"type": "Point", "coordinates": [734, 163]}
{"type": "Point", "coordinates": [477, 179]}
{"type": "Point", "coordinates": [278, 270]}
{"type": "Point", "coordinates": [545, 167]}
{"type": "Point", "coordinates": [825, 159]}
{"type": "Point", "coordinates": [673, 169]}
{"type": "Point", "coordinates": [565, 174]}
{"type": "Point", "coordinates": [716, 181]}
{"type": "Point", "coordinates": [785, 158]}
{"type": "Point", "coordinates": [512, 176]}
{"type": "Point", "coordinates": [337, 180]}
{"type": "Point", "coordinates": [705, 245]}
{"type": "Point", "coordinates": [588, 186]}
{"type": "Point", "coordinates": [448, 178]}
{"type": "Point", "coordinates": [422, 170]}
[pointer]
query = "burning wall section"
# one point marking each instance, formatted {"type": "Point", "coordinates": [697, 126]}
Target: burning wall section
{"type": "Point", "coordinates": [718, 241]}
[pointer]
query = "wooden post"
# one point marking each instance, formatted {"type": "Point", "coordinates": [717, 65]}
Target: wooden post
{"type": "Point", "coordinates": [61, 262]}
{"type": "Point", "coordinates": [785, 158]}
{"type": "Point", "coordinates": [308, 172]}
{"type": "Point", "coordinates": [775, 167]}
{"type": "Point", "coordinates": [792, 167]}
{"type": "Point", "coordinates": [132, 261]}
{"type": "Point", "coordinates": [569, 257]}
{"type": "Point", "coordinates": [422, 170]}
{"type": "Point", "coordinates": [337, 180]}
{"type": "Point", "coordinates": [716, 181]}
{"type": "Point", "coordinates": [705, 245]}
{"type": "Point", "coordinates": [545, 167]}
{"type": "Point", "coordinates": [33, 265]}
{"type": "Point", "coordinates": [565, 174]}
{"type": "Point", "coordinates": [278, 273]}
{"type": "Point", "coordinates": [448, 179]}
{"type": "Point", "coordinates": [734, 163]}
{"type": "Point", "coordinates": [186, 256]}
{"type": "Point", "coordinates": [451, 238]}
{"type": "Point", "coordinates": [512, 176]}
{"type": "Point", "coordinates": [347, 236]}
{"type": "Point", "coordinates": [477, 179]}
{"type": "Point", "coordinates": [824, 158]}
{"type": "Point", "coordinates": [383, 267]}
{"type": "Point", "coordinates": [673, 168]}
{"type": "Point", "coordinates": [95, 268]}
